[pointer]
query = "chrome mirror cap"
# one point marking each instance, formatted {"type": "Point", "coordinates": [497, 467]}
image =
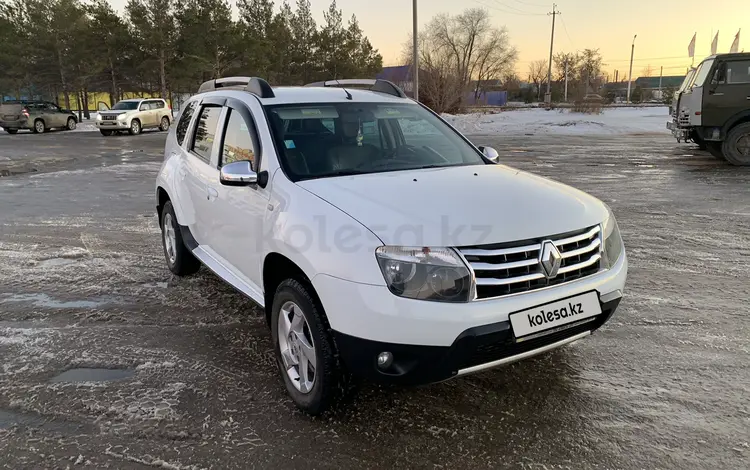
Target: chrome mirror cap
{"type": "Point", "coordinates": [238, 174]}
{"type": "Point", "coordinates": [491, 154]}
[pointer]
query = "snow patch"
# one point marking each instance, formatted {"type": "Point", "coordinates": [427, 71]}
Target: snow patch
{"type": "Point", "coordinates": [612, 121]}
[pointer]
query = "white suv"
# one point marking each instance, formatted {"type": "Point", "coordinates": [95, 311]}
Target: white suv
{"type": "Point", "coordinates": [378, 239]}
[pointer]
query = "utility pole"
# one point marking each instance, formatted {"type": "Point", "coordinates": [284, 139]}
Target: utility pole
{"type": "Point", "coordinates": [566, 79]}
{"type": "Point", "coordinates": [630, 74]}
{"type": "Point", "coordinates": [415, 58]}
{"type": "Point", "coordinates": [548, 95]}
{"type": "Point", "coordinates": [661, 72]}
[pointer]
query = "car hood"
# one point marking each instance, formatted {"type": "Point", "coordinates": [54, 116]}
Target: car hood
{"type": "Point", "coordinates": [459, 206]}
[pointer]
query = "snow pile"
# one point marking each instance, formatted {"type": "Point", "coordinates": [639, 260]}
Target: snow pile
{"type": "Point", "coordinates": [613, 121]}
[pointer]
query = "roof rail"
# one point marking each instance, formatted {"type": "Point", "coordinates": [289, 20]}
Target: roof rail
{"type": "Point", "coordinates": [254, 85]}
{"type": "Point", "coordinates": [380, 86]}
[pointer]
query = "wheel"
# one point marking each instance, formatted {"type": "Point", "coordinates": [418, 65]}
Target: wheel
{"type": "Point", "coordinates": [71, 126]}
{"type": "Point", "coordinates": [714, 148]}
{"type": "Point", "coordinates": [736, 147]}
{"type": "Point", "coordinates": [11, 131]}
{"type": "Point", "coordinates": [135, 127]}
{"type": "Point", "coordinates": [698, 140]}
{"type": "Point", "coordinates": [39, 127]}
{"type": "Point", "coordinates": [164, 126]}
{"type": "Point", "coordinates": [304, 349]}
{"type": "Point", "coordinates": [105, 133]}
{"type": "Point", "coordinates": [179, 259]}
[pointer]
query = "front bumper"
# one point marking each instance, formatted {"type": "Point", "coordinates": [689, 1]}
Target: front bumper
{"type": "Point", "coordinates": [474, 350]}
{"type": "Point", "coordinates": [112, 125]}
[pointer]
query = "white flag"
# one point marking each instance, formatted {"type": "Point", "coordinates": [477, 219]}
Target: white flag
{"type": "Point", "coordinates": [736, 44]}
{"type": "Point", "coordinates": [715, 43]}
{"type": "Point", "coordinates": [691, 47]}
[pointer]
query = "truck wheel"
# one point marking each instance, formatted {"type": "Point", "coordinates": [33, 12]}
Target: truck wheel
{"type": "Point", "coordinates": [714, 148]}
{"type": "Point", "coordinates": [737, 145]}
{"type": "Point", "coordinates": [304, 348]}
{"type": "Point", "coordinates": [179, 259]}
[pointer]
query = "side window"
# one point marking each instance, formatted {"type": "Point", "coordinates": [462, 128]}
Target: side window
{"type": "Point", "coordinates": [157, 104]}
{"type": "Point", "coordinates": [329, 124]}
{"type": "Point", "coordinates": [143, 106]}
{"type": "Point", "coordinates": [182, 126]}
{"type": "Point", "coordinates": [52, 107]}
{"type": "Point", "coordinates": [737, 71]}
{"type": "Point", "coordinates": [239, 142]}
{"type": "Point", "coordinates": [205, 132]}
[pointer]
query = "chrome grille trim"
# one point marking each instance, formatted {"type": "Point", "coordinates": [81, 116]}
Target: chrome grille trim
{"type": "Point", "coordinates": [507, 270]}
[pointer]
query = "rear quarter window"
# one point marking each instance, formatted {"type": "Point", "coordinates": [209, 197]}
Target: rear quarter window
{"type": "Point", "coordinates": [184, 123]}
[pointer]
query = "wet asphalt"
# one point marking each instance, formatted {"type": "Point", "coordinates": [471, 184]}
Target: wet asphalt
{"type": "Point", "coordinates": [189, 380]}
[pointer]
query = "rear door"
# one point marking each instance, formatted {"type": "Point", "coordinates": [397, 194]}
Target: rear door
{"type": "Point", "coordinates": [201, 167]}
{"type": "Point", "coordinates": [728, 93]}
{"type": "Point", "coordinates": [54, 116]}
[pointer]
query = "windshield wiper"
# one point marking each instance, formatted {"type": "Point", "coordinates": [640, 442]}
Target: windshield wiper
{"type": "Point", "coordinates": [344, 173]}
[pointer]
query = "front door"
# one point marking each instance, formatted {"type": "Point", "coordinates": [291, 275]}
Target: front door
{"type": "Point", "coordinates": [200, 171]}
{"type": "Point", "coordinates": [237, 223]}
{"type": "Point", "coordinates": [728, 93]}
{"type": "Point", "coordinates": [53, 117]}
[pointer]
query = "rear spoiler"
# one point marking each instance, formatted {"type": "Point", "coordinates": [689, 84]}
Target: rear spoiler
{"type": "Point", "coordinates": [254, 85]}
{"type": "Point", "coordinates": [379, 86]}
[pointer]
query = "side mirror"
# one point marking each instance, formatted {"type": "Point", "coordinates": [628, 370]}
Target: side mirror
{"type": "Point", "coordinates": [238, 174]}
{"type": "Point", "coordinates": [491, 154]}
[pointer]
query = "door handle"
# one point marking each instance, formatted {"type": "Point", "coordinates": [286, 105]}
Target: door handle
{"type": "Point", "coordinates": [211, 193]}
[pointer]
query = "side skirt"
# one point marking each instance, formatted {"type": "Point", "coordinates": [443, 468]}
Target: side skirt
{"type": "Point", "coordinates": [210, 261]}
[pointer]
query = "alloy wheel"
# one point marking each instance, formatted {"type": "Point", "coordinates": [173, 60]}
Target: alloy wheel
{"type": "Point", "coordinates": [170, 239]}
{"type": "Point", "coordinates": [297, 347]}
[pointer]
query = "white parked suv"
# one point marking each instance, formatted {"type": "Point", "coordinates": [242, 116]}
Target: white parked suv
{"type": "Point", "coordinates": [378, 239]}
{"type": "Point", "coordinates": [133, 116]}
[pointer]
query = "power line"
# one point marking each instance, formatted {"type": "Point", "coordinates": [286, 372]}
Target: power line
{"type": "Point", "coordinates": [504, 5]}
{"type": "Point", "coordinates": [510, 12]}
{"type": "Point", "coordinates": [566, 32]}
{"type": "Point", "coordinates": [531, 4]}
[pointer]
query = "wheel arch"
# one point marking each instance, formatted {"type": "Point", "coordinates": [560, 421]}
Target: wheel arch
{"type": "Point", "coordinates": [162, 196]}
{"type": "Point", "coordinates": [737, 119]}
{"type": "Point", "coordinates": [276, 269]}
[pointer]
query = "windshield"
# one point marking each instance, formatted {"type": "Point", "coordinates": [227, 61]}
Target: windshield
{"type": "Point", "coordinates": [685, 82]}
{"type": "Point", "coordinates": [702, 72]}
{"type": "Point", "coordinates": [126, 105]}
{"type": "Point", "coordinates": [334, 139]}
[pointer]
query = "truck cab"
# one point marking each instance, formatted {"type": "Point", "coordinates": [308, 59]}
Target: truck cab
{"type": "Point", "coordinates": [713, 107]}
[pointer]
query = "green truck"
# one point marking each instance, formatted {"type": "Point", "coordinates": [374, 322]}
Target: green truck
{"type": "Point", "coordinates": [36, 116]}
{"type": "Point", "coordinates": [713, 108]}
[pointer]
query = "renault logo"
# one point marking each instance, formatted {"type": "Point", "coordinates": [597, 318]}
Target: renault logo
{"type": "Point", "coordinates": [550, 259]}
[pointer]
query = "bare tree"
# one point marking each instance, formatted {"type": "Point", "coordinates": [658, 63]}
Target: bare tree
{"type": "Point", "coordinates": [647, 71]}
{"type": "Point", "coordinates": [456, 49]}
{"type": "Point", "coordinates": [537, 75]}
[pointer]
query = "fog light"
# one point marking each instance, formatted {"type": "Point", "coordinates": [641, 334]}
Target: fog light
{"type": "Point", "coordinates": [385, 359]}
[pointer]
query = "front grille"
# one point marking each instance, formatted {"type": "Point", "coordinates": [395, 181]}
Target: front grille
{"type": "Point", "coordinates": [510, 268]}
{"type": "Point", "coordinates": [108, 118]}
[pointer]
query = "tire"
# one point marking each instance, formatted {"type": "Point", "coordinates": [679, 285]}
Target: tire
{"type": "Point", "coordinates": [135, 127]}
{"type": "Point", "coordinates": [295, 298]}
{"type": "Point", "coordinates": [105, 133]}
{"type": "Point", "coordinates": [179, 258]}
{"type": "Point", "coordinates": [39, 127]}
{"type": "Point", "coordinates": [71, 124]}
{"type": "Point", "coordinates": [736, 147]}
{"type": "Point", "coordinates": [11, 131]}
{"type": "Point", "coordinates": [714, 148]}
{"type": "Point", "coordinates": [164, 125]}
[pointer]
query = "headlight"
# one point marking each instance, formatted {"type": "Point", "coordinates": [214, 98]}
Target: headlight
{"type": "Point", "coordinates": [98, 117]}
{"type": "Point", "coordinates": [612, 241]}
{"type": "Point", "coordinates": [436, 274]}
{"type": "Point", "coordinates": [121, 117]}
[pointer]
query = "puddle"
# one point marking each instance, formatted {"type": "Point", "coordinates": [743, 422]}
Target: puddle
{"type": "Point", "coordinates": [92, 375]}
{"type": "Point", "coordinates": [156, 285]}
{"type": "Point", "coordinates": [52, 262]}
{"type": "Point", "coordinates": [12, 419]}
{"type": "Point", "coordinates": [44, 300]}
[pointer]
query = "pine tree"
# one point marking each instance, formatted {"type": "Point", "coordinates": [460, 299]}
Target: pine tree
{"type": "Point", "coordinates": [153, 25]}
{"type": "Point", "coordinates": [304, 31]}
